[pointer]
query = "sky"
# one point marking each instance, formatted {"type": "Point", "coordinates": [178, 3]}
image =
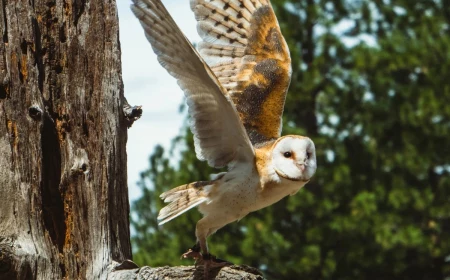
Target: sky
{"type": "Point", "coordinates": [148, 84]}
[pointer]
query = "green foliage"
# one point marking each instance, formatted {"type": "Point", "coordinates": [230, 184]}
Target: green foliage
{"type": "Point", "coordinates": [371, 87]}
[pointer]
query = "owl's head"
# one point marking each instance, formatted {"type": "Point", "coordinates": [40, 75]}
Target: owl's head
{"type": "Point", "coordinates": [294, 158]}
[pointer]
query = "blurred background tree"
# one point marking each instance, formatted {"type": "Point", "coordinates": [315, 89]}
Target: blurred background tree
{"type": "Point", "coordinates": [371, 87]}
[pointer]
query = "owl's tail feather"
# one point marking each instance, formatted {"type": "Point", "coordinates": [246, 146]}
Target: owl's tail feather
{"type": "Point", "coordinates": [183, 198]}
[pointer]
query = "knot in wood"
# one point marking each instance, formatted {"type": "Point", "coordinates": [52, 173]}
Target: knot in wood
{"type": "Point", "coordinates": [81, 163]}
{"type": "Point", "coordinates": [35, 112]}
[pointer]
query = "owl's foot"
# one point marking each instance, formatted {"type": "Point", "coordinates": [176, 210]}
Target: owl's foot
{"type": "Point", "coordinates": [193, 253]}
{"type": "Point", "coordinates": [212, 262]}
{"type": "Point", "coordinates": [190, 254]}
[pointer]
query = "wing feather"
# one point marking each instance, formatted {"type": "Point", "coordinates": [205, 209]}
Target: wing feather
{"type": "Point", "coordinates": [219, 135]}
{"type": "Point", "coordinates": [243, 45]}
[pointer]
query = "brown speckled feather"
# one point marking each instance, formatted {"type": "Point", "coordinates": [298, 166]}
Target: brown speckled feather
{"type": "Point", "coordinates": [183, 198]}
{"type": "Point", "coordinates": [243, 45]}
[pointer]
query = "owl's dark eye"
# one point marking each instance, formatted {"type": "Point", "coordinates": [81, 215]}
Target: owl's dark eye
{"type": "Point", "coordinates": [308, 155]}
{"type": "Point", "coordinates": [287, 154]}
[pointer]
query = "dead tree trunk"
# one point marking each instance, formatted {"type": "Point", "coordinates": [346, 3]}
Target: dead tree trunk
{"type": "Point", "coordinates": [64, 209]}
{"type": "Point", "coordinates": [63, 130]}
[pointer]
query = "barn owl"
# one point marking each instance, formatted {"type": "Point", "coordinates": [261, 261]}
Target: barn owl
{"type": "Point", "coordinates": [235, 88]}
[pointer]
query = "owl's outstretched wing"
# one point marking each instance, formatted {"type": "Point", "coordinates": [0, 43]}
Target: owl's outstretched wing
{"type": "Point", "coordinates": [219, 135]}
{"type": "Point", "coordinates": [243, 45]}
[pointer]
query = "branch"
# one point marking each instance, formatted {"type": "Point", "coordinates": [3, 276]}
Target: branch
{"type": "Point", "coordinates": [132, 113]}
{"type": "Point", "coordinates": [128, 271]}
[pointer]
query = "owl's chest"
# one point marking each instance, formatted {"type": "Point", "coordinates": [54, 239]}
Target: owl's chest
{"type": "Point", "coordinates": [240, 193]}
{"type": "Point", "coordinates": [273, 192]}
{"type": "Point", "coordinates": [253, 195]}
{"type": "Point", "coordinates": [234, 197]}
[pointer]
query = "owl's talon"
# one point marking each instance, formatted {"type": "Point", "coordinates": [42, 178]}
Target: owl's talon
{"type": "Point", "coordinates": [214, 262]}
{"type": "Point", "coordinates": [191, 254]}
{"type": "Point", "coordinates": [209, 262]}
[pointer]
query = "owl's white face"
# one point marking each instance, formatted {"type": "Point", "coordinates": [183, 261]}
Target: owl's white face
{"type": "Point", "coordinates": [294, 158]}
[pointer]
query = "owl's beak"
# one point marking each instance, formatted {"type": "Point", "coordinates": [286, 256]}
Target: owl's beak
{"type": "Point", "coordinates": [301, 166]}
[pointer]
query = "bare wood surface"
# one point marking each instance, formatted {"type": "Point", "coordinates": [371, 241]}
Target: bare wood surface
{"type": "Point", "coordinates": [63, 181]}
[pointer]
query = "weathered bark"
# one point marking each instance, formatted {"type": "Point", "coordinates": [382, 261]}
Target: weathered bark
{"type": "Point", "coordinates": [63, 129]}
{"type": "Point", "coordinates": [64, 210]}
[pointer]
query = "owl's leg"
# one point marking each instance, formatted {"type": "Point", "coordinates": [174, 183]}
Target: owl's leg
{"type": "Point", "coordinates": [204, 230]}
{"type": "Point", "coordinates": [200, 249]}
{"type": "Point", "coordinates": [201, 231]}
